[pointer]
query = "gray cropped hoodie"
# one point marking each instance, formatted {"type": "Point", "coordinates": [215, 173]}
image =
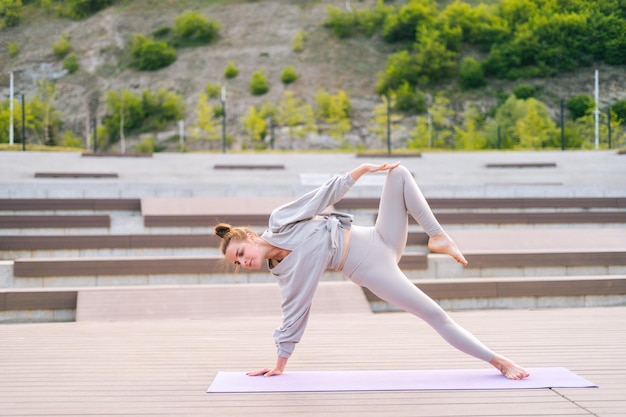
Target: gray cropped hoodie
{"type": "Point", "coordinates": [316, 244]}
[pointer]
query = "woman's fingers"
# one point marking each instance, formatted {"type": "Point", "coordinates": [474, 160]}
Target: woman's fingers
{"type": "Point", "coordinates": [265, 371]}
{"type": "Point", "coordinates": [259, 372]}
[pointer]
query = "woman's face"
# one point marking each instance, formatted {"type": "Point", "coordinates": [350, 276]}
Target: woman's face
{"type": "Point", "coordinates": [244, 253]}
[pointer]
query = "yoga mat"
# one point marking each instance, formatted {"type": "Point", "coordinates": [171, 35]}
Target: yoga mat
{"type": "Point", "coordinates": [456, 379]}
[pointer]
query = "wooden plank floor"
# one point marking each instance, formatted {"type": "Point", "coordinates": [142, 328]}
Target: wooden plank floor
{"type": "Point", "coordinates": [163, 367]}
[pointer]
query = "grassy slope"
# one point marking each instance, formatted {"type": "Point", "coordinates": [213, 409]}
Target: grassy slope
{"type": "Point", "coordinates": [255, 34]}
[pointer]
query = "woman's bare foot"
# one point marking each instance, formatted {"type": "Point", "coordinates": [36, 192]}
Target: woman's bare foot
{"type": "Point", "coordinates": [508, 368]}
{"type": "Point", "coordinates": [442, 243]}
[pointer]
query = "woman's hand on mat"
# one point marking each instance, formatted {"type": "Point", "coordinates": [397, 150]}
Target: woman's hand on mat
{"type": "Point", "coordinates": [265, 372]}
{"type": "Point", "coordinates": [278, 369]}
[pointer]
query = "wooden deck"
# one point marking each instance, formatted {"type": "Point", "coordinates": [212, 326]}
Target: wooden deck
{"type": "Point", "coordinates": [163, 367]}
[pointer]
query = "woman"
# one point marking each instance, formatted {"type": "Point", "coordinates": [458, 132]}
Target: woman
{"type": "Point", "coordinates": [300, 244]}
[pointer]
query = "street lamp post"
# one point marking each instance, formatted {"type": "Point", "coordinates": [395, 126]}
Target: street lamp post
{"type": "Point", "coordinates": [11, 110]}
{"type": "Point", "coordinates": [23, 124]}
{"type": "Point", "coordinates": [223, 99]}
{"type": "Point", "coordinates": [388, 124]}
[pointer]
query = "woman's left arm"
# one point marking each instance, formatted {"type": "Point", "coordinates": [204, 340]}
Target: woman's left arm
{"type": "Point", "coordinates": [363, 169]}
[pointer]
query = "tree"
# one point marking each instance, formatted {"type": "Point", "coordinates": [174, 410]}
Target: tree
{"type": "Point", "coordinates": [619, 107]}
{"type": "Point", "coordinates": [522, 124]}
{"type": "Point", "coordinates": [254, 124]}
{"type": "Point", "coordinates": [535, 130]}
{"type": "Point", "coordinates": [403, 24]}
{"type": "Point", "coordinates": [46, 119]}
{"type": "Point", "coordinates": [434, 60]}
{"type": "Point", "coordinates": [296, 115]}
{"type": "Point", "coordinates": [382, 116]}
{"type": "Point", "coordinates": [124, 114]}
{"type": "Point", "coordinates": [471, 135]}
{"type": "Point", "coordinates": [438, 130]}
{"type": "Point", "coordinates": [471, 74]}
{"type": "Point", "coordinates": [334, 111]}
{"type": "Point", "coordinates": [580, 105]}
{"type": "Point", "coordinates": [409, 99]}
{"type": "Point", "coordinates": [207, 125]}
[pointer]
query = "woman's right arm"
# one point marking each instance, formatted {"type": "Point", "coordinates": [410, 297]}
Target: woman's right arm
{"type": "Point", "coordinates": [363, 169]}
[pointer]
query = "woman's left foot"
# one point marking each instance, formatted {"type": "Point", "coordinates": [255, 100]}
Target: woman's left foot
{"type": "Point", "coordinates": [442, 243]}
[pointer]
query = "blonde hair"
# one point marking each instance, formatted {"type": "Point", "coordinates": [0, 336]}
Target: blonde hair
{"type": "Point", "coordinates": [228, 233]}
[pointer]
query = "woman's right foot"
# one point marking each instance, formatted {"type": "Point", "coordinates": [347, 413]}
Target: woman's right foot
{"type": "Point", "coordinates": [508, 368]}
{"type": "Point", "coordinates": [442, 243]}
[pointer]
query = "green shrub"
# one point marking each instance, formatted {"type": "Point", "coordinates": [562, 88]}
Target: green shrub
{"type": "Point", "coordinates": [409, 99]}
{"type": "Point", "coordinates": [471, 73]}
{"type": "Point", "coordinates": [343, 25]}
{"type": "Point", "coordinates": [162, 32]}
{"type": "Point", "coordinates": [78, 9]}
{"type": "Point", "coordinates": [151, 55]}
{"type": "Point", "coordinates": [10, 13]}
{"type": "Point", "coordinates": [192, 27]}
{"type": "Point", "coordinates": [70, 64]}
{"type": "Point", "coordinates": [288, 75]}
{"type": "Point", "coordinates": [71, 141]}
{"type": "Point", "coordinates": [619, 108]}
{"type": "Point", "coordinates": [297, 43]}
{"type": "Point", "coordinates": [231, 70]}
{"type": "Point", "coordinates": [258, 83]}
{"type": "Point", "coordinates": [213, 90]}
{"type": "Point", "coordinates": [148, 145]}
{"type": "Point", "coordinates": [524, 91]}
{"type": "Point", "coordinates": [62, 46]}
{"type": "Point", "coordinates": [13, 48]}
{"type": "Point", "coordinates": [579, 105]}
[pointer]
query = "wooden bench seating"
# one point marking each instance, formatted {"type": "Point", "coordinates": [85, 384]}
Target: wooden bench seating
{"type": "Point", "coordinates": [76, 175]}
{"type": "Point", "coordinates": [531, 217]}
{"type": "Point", "coordinates": [118, 154]}
{"type": "Point", "coordinates": [33, 204]}
{"type": "Point", "coordinates": [127, 265]}
{"type": "Point", "coordinates": [206, 212]}
{"type": "Point", "coordinates": [522, 165]}
{"type": "Point", "coordinates": [37, 299]}
{"type": "Point", "coordinates": [498, 203]}
{"type": "Point", "coordinates": [249, 166]}
{"type": "Point", "coordinates": [148, 265]}
{"type": "Point", "coordinates": [46, 242]}
{"type": "Point", "coordinates": [570, 286]}
{"type": "Point", "coordinates": [96, 302]}
{"type": "Point", "coordinates": [55, 267]}
{"type": "Point", "coordinates": [54, 221]}
{"type": "Point", "coordinates": [387, 155]}
{"type": "Point", "coordinates": [545, 259]}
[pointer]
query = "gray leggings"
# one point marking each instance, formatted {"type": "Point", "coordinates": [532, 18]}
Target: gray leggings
{"type": "Point", "coordinates": [374, 252]}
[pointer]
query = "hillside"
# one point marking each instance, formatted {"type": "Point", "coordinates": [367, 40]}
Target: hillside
{"type": "Point", "coordinates": [254, 34]}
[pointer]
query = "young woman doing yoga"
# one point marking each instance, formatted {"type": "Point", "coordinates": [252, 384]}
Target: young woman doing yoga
{"type": "Point", "coordinates": [300, 244]}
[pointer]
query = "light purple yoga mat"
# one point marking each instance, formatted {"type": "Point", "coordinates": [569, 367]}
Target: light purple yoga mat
{"type": "Point", "coordinates": [456, 379]}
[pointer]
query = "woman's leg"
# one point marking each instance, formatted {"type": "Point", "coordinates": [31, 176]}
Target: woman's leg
{"type": "Point", "coordinates": [401, 196]}
{"type": "Point", "coordinates": [370, 263]}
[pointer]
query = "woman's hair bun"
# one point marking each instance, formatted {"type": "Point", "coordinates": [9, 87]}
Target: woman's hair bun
{"type": "Point", "coordinates": [222, 229]}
